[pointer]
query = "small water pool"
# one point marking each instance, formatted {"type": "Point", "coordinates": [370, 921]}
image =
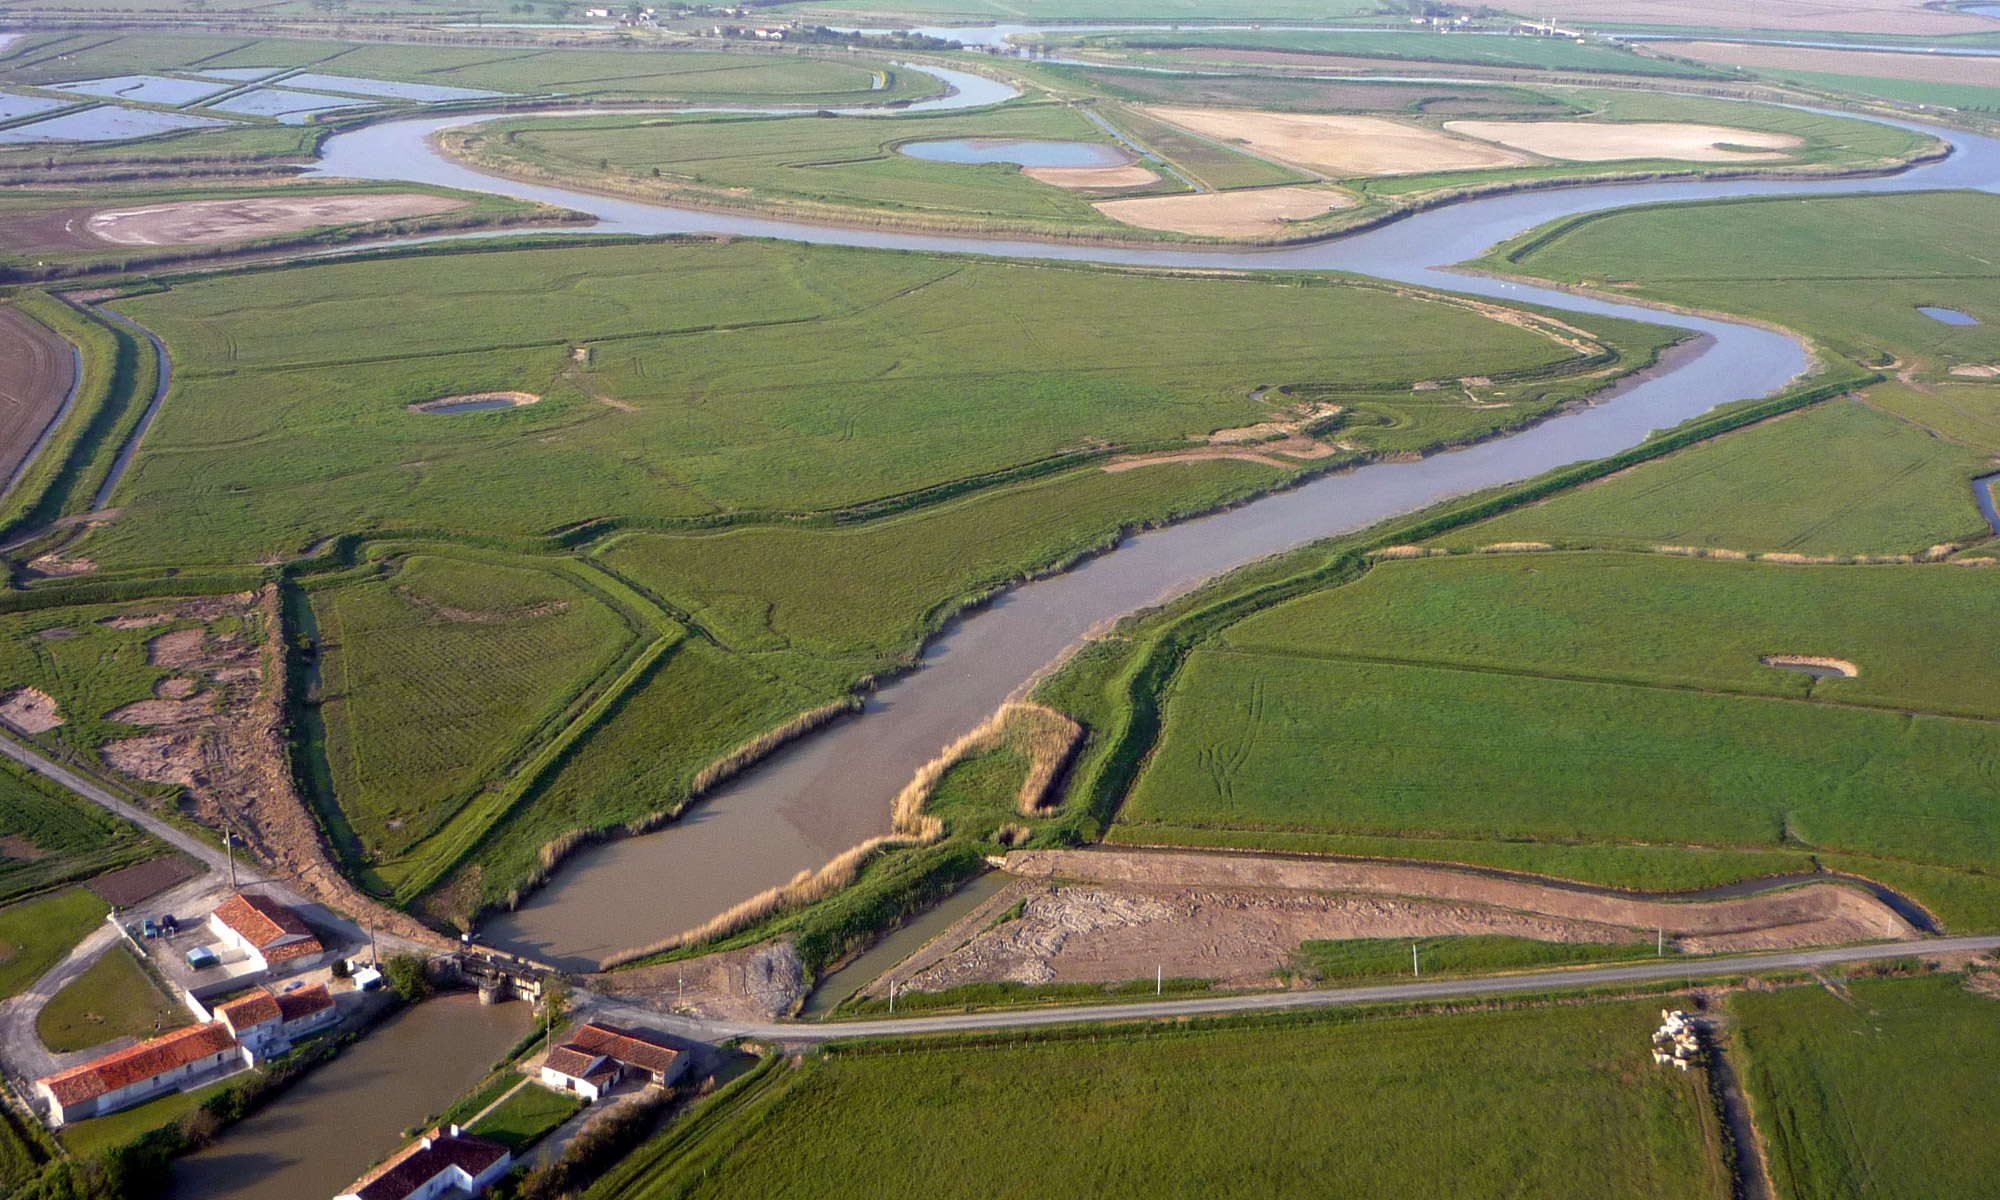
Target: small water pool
{"type": "Point", "coordinates": [472, 402]}
{"type": "Point", "coordinates": [1021, 153]}
{"type": "Point", "coordinates": [1949, 316]}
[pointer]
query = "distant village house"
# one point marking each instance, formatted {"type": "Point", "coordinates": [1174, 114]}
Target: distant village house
{"type": "Point", "coordinates": [594, 1058]}
{"type": "Point", "coordinates": [441, 1163]}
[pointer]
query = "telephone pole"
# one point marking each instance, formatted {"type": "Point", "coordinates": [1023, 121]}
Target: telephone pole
{"type": "Point", "coordinates": [1414, 968]}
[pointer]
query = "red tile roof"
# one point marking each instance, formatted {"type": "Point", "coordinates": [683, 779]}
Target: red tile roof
{"type": "Point", "coordinates": [261, 920]}
{"type": "Point", "coordinates": [126, 1067]}
{"type": "Point", "coordinates": [300, 1003]}
{"type": "Point", "coordinates": [417, 1165]}
{"type": "Point", "coordinates": [246, 1011]}
{"type": "Point", "coordinates": [571, 1061]}
{"type": "Point", "coordinates": [292, 950]}
{"type": "Point", "coordinates": [629, 1047]}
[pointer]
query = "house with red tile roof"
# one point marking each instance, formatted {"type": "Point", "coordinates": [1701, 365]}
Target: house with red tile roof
{"type": "Point", "coordinates": [268, 1024]}
{"type": "Point", "coordinates": [270, 934]}
{"type": "Point", "coordinates": [594, 1057]}
{"type": "Point", "coordinates": [441, 1163]}
{"type": "Point", "coordinates": [137, 1073]}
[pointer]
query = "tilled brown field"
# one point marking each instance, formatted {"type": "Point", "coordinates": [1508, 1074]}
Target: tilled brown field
{"type": "Point", "coordinates": [36, 371]}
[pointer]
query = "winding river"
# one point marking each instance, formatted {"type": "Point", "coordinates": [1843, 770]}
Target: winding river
{"type": "Point", "coordinates": [832, 790]}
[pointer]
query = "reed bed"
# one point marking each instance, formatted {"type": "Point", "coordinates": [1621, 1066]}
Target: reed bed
{"type": "Point", "coordinates": [757, 748]}
{"type": "Point", "coordinates": [1047, 737]}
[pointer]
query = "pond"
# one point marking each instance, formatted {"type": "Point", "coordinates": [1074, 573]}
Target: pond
{"type": "Point", "coordinates": [1021, 153]}
{"type": "Point", "coordinates": [106, 124]}
{"type": "Point", "coordinates": [1949, 316]}
{"type": "Point", "coordinates": [474, 402]}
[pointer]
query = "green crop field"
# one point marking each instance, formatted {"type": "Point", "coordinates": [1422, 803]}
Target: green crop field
{"type": "Point", "coordinates": [1837, 479]}
{"type": "Point", "coordinates": [1850, 271]}
{"type": "Point", "coordinates": [693, 76]}
{"type": "Point", "coordinates": [48, 837]}
{"type": "Point", "coordinates": [434, 676]}
{"type": "Point", "coordinates": [1523, 53]}
{"type": "Point", "coordinates": [35, 934]}
{"type": "Point", "coordinates": [1887, 1091]}
{"type": "Point", "coordinates": [813, 165]}
{"type": "Point", "coordinates": [526, 1116]}
{"type": "Point", "coordinates": [974, 11]}
{"type": "Point", "coordinates": [1596, 698]}
{"type": "Point", "coordinates": [288, 418]}
{"type": "Point", "coordinates": [1361, 1106]}
{"type": "Point", "coordinates": [114, 998]}
{"type": "Point", "coordinates": [1279, 93]}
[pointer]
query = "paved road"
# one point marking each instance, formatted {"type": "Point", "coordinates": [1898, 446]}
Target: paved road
{"type": "Point", "coordinates": [1529, 982]}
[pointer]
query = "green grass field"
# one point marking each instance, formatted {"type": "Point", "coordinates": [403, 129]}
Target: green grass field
{"type": "Point", "coordinates": [1407, 1106]}
{"type": "Point", "coordinates": [713, 391]}
{"type": "Point", "coordinates": [1885, 1092]}
{"type": "Point", "coordinates": [35, 934]}
{"type": "Point", "coordinates": [1376, 958]}
{"type": "Point", "coordinates": [1280, 93]}
{"type": "Point", "coordinates": [434, 677]}
{"type": "Point", "coordinates": [1593, 697]}
{"type": "Point", "coordinates": [693, 76]}
{"type": "Point", "coordinates": [526, 1116]}
{"type": "Point", "coordinates": [1838, 479]}
{"type": "Point", "coordinates": [1524, 53]}
{"type": "Point", "coordinates": [114, 998]}
{"type": "Point", "coordinates": [1849, 271]}
{"type": "Point", "coordinates": [1212, 164]}
{"type": "Point", "coordinates": [813, 165]}
{"type": "Point", "coordinates": [87, 1139]}
{"type": "Point", "coordinates": [979, 11]}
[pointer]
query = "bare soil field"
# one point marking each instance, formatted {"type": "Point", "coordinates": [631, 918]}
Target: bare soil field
{"type": "Point", "coordinates": [1258, 212]}
{"type": "Point", "coordinates": [1087, 933]}
{"type": "Point", "coordinates": [1857, 16]}
{"type": "Point", "coordinates": [206, 222]}
{"type": "Point", "coordinates": [1336, 145]}
{"type": "Point", "coordinates": [123, 889]}
{"type": "Point", "coordinates": [1815, 914]}
{"type": "Point", "coordinates": [1925, 68]}
{"type": "Point", "coordinates": [36, 371]}
{"type": "Point", "coordinates": [1083, 178]}
{"type": "Point", "coordinates": [1606, 141]}
{"type": "Point", "coordinates": [756, 983]}
{"type": "Point", "coordinates": [30, 710]}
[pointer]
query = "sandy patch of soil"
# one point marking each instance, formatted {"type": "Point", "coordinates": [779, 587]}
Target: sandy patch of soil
{"type": "Point", "coordinates": [1253, 213]}
{"type": "Point", "coordinates": [1802, 916]}
{"type": "Point", "coordinates": [1606, 141]}
{"type": "Point", "coordinates": [181, 648]}
{"type": "Point", "coordinates": [1977, 372]}
{"type": "Point", "coordinates": [175, 688]}
{"type": "Point", "coordinates": [1131, 175]}
{"type": "Point", "coordinates": [159, 712]}
{"type": "Point", "coordinates": [36, 372]}
{"type": "Point", "coordinates": [1339, 145]}
{"type": "Point", "coordinates": [756, 983]}
{"type": "Point", "coordinates": [205, 222]}
{"type": "Point", "coordinates": [1847, 669]}
{"type": "Point", "coordinates": [513, 399]}
{"type": "Point", "coordinates": [144, 621]}
{"type": "Point", "coordinates": [1093, 934]}
{"type": "Point", "coordinates": [20, 849]}
{"type": "Point", "coordinates": [1132, 462]}
{"type": "Point", "coordinates": [30, 710]}
{"type": "Point", "coordinates": [1924, 68]}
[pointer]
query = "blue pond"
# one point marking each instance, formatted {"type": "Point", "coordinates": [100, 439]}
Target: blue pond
{"type": "Point", "coordinates": [1026, 154]}
{"type": "Point", "coordinates": [470, 406]}
{"type": "Point", "coordinates": [1949, 316]}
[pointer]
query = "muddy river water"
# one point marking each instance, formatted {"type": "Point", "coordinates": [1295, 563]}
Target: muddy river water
{"type": "Point", "coordinates": [833, 789]}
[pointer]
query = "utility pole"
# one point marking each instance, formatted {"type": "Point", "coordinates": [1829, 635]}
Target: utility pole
{"type": "Point", "coordinates": [1414, 968]}
{"type": "Point", "coordinates": [681, 989]}
{"type": "Point", "coordinates": [1659, 943]}
{"type": "Point", "coordinates": [229, 845]}
{"type": "Point", "coordinates": [1159, 979]}
{"type": "Point", "coordinates": [892, 997]}
{"type": "Point", "coordinates": [374, 955]}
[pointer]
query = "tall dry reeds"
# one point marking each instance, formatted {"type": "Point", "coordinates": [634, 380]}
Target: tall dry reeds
{"type": "Point", "coordinates": [1045, 736]}
{"type": "Point", "coordinates": [757, 748]}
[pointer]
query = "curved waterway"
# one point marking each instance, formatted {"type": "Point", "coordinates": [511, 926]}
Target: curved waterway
{"type": "Point", "coordinates": [832, 790]}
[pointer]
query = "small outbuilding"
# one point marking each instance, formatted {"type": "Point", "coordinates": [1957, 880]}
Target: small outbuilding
{"type": "Point", "coordinates": [594, 1058]}
{"type": "Point", "coordinates": [441, 1163]}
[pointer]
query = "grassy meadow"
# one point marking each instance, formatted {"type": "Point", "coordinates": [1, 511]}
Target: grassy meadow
{"type": "Point", "coordinates": [1375, 1105]}
{"type": "Point", "coordinates": [1516, 53]}
{"type": "Point", "coordinates": [725, 379]}
{"type": "Point", "coordinates": [1840, 479]}
{"type": "Point", "coordinates": [434, 677]}
{"type": "Point", "coordinates": [1481, 954]}
{"type": "Point", "coordinates": [1886, 1090]}
{"type": "Point", "coordinates": [36, 934]}
{"type": "Point", "coordinates": [114, 998]}
{"type": "Point", "coordinates": [1849, 271]}
{"type": "Point", "coordinates": [526, 1116]}
{"type": "Point", "coordinates": [810, 165]}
